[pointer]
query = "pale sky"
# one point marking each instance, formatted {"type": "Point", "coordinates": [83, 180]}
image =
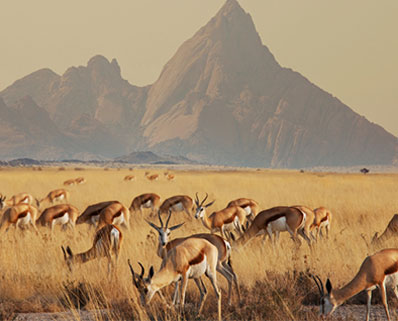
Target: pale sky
{"type": "Point", "coordinates": [348, 48]}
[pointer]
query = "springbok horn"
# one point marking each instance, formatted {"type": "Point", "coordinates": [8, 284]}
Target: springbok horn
{"type": "Point", "coordinates": [197, 199]}
{"type": "Point", "coordinates": [63, 250]}
{"type": "Point", "coordinates": [204, 200]}
{"type": "Point", "coordinates": [160, 220]}
{"type": "Point", "coordinates": [142, 270]}
{"type": "Point", "coordinates": [319, 284]}
{"type": "Point", "coordinates": [132, 273]}
{"type": "Point", "coordinates": [168, 218]}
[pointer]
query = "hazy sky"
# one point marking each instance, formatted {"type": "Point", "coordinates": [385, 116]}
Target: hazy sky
{"type": "Point", "coordinates": [348, 48]}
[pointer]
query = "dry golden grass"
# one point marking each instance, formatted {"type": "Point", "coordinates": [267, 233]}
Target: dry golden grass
{"type": "Point", "coordinates": [34, 277]}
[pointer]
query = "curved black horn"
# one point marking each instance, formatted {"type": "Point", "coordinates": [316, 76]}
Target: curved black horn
{"type": "Point", "coordinates": [142, 270]}
{"type": "Point", "coordinates": [132, 273]}
{"type": "Point", "coordinates": [319, 284]}
{"type": "Point", "coordinates": [197, 199]}
{"type": "Point", "coordinates": [204, 200]}
{"type": "Point", "coordinates": [160, 220]}
{"type": "Point", "coordinates": [168, 219]}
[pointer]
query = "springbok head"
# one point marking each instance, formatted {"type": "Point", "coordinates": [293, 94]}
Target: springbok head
{"type": "Point", "coordinates": [163, 230]}
{"type": "Point", "coordinates": [200, 207]}
{"type": "Point", "coordinates": [142, 283]}
{"type": "Point", "coordinates": [327, 302]}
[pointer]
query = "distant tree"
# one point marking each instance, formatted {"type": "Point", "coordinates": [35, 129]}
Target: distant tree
{"type": "Point", "coordinates": [364, 170]}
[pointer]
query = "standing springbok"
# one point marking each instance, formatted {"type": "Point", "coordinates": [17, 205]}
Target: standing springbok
{"type": "Point", "coordinates": [249, 205]}
{"type": "Point", "coordinates": [116, 214]}
{"type": "Point", "coordinates": [21, 198]}
{"type": "Point", "coordinates": [147, 200]}
{"type": "Point", "coordinates": [107, 242]}
{"type": "Point", "coordinates": [80, 180]}
{"type": "Point", "coordinates": [323, 219]}
{"type": "Point", "coordinates": [21, 215]}
{"type": "Point", "coordinates": [230, 218]}
{"type": "Point", "coordinates": [377, 271]}
{"type": "Point", "coordinates": [224, 253]}
{"type": "Point", "coordinates": [190, 259]}
{"type": "Point", "coordinates": [153, 177]}
{"type": "Point", "coordinates": [57, 195]}
{"type": "Point", "coordinates": [91, 214]}
{"type": "Point", "coordinates": [61, 214]}
{"type": "Point", "coordinates": [276, 220]}
{"type": "Point", "coordinates": [128, 178]}
{"type": "Point", "coordinates": [177, 203]}
{"type": "Point", "coordinates": [309, 220]}
{"type": "Point", "coordinates": [390, 231]}
{"type": "Point", "coordinates": [70, 182]}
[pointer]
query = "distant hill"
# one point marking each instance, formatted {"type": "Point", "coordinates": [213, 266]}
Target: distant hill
{"type": "Point", "coordinates": [221, 99]}
{"type": "Point", "coordinates": [152, 158]}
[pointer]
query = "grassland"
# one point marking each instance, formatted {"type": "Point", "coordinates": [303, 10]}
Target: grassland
{"type": "Point", "coordinates": [34, 277]}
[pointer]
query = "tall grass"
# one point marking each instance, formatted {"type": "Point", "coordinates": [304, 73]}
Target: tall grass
{"type": "Point", "coordinates": [274, 283]}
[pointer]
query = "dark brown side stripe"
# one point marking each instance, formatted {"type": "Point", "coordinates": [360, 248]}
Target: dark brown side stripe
{"type": "Point", "coordinates": [196, 260]}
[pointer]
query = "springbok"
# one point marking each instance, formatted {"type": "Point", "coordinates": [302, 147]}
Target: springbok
{"type": "Point", "coordinates": [170, 177]}
{"type": "Point", "coordinates": [80, 180]}
{"type": "Point", "coordinates": [21, 198]}
{"type": "Point", "coordinates": [177, 203]}
{"type": "Point", "coordinates": [91, 214]}
{"type": "Point", "coordinates": [116, 214]}
{"type": "Point", "coordinates": [390, 231]}
{"type": "Point", "coordinates": [323, 219]}
{"type": "Point", "coordinates": [107, 242]}
{"type": "Point", "coordinates": [190, 259]}
{"type": "Point", "coordinates": [224, 253]}
{"type": "Point", "coordinates": [249, 205]}
{"type": "Point", "coordinates": [148, 200]}
{"type": "Point", "coordinates": [309, 220]}
{"type": "Point", "coordinates": [230, 218]}
{"type": "Point", "coordinates": [276, 220]}
{"type": "Point", "coordinates": [153, 177]}
{"type": "Point", "coordinates": [57, 195]}
{"type": "Point", "coordinates": [377, 271]}
{"type": "Point", "coordinates": [21, 215]}
{"type": "Point", "coordinates": [61, 214]}
{"type": "Point", "coordinates": [70, 182]}
{"type": "Point", "coordinates": [128, 178]}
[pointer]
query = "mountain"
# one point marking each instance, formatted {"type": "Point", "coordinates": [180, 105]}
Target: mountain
{"type": "Point", "coordinates": [222, 98]}
{"type": "Point", "coordinates": [149, 157]}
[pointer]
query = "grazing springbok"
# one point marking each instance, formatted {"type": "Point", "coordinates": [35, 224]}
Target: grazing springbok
{"type": "Point", "coordinates": [61, 214]}
{"type": "Point", "coordinates": [116, 214]}
{"type": "Point", "coordinates": [147, 200]}
{"type": "Point", "coordinates": [224, 253]}
{"type": "Point", "coordinates": [390, 231]}
{"type": "Point", "coordinates": [377, 271]}
{"type": "Point", "coordinates": [275, 220]}
{"type": "Point", "coordinates": [21, 198]}
{"type": "Point", "coordinates": [230, 218]}
{"type": "Point", "coordinates": [57, 195]}
{"type": "Point", "coordinates": [80, 180]}
{"type": "Point", "coordinates": [128, 178]}
{"type": "Point", "coordinates": [249, 205]}
{"type": "Point", "coordinates": [70, 182]}
{"type": "Point", "coordinates": [170, 177]}
{"type": "Point", "coordinates": [190, 259]}
{"type": "Point", "coordinates": [322, 219]}
{"type": "Point", "coordinates": [177, 203]}
{"type": "Point", "coordinates": [153, 177]}
{"type": "Point", "coordinates": [107, 242]}
{"type": "Point", "coordinates": [91, 214]}
{"type": "Point", "coordinates": [21, 215]}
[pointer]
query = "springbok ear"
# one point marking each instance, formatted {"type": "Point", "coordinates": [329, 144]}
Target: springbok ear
{"type": "Point", "coordinates": [210, 204]}
{"type": "Point", "coordinates": [232, 236]}
{"type": "Point", "coordinates": [151, 272]}
{"type": "Point", "coordinates": [69, 251]}
{"type": "Point", "coordinates": [176, 226]}
{"type": "Point", "coordinates": [329, 287]}
{"type": "Point", "coordinates": [132, 273]}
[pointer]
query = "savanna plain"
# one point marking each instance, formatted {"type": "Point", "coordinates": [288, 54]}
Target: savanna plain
{"type": "Point", "coordinates": [274, 283]}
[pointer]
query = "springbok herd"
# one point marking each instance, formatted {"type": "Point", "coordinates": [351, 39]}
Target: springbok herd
{"type": "Point", "coordinates": [196, 255]}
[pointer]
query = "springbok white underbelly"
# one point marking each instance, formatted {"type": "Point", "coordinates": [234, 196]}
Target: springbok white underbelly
{"type": "Point", "coordinates": [178, 207]}
{"type": "Point", "coordinates": [197, 270]}
{"type": "Point", "coordinates": [119, 219]}
{"type": "Point", "coordinates": [248, 210]}
{"type": "Point", "coordinates": [24, 221]}
{"type": "Point", "coordinates": [62, 220]}
{"type": "Point", "coordinates": [277, 225]}
{"type": "Point", "coordinates": [147, 204]}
